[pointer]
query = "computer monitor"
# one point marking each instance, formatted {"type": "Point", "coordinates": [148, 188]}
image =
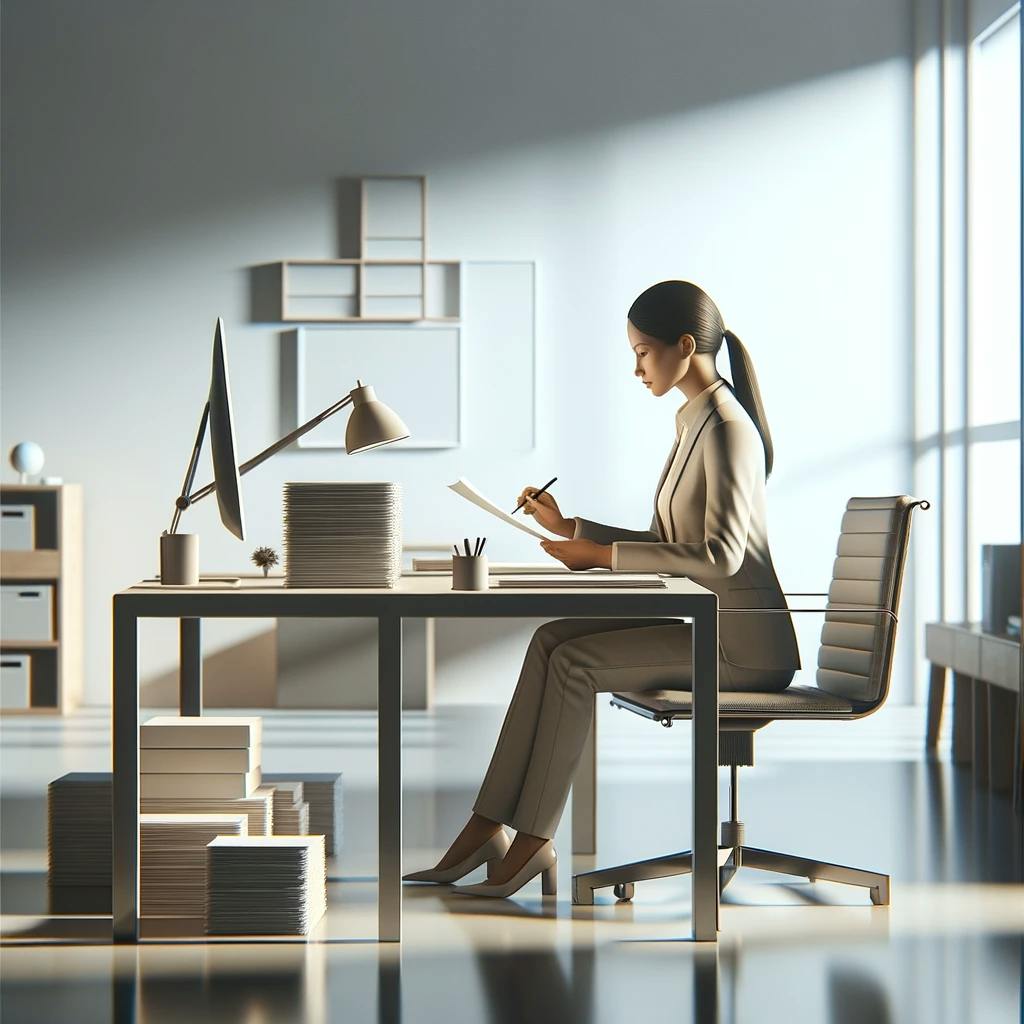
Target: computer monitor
{"type": "Point", "coordinates": [222, 440]}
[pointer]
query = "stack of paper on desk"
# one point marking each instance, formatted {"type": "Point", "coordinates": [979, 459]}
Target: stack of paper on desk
{"type": "Point", "coordinates": [172, 880]}
{"type": "Point", "coordinates": [342, 534]}
{"type": "Point", "coordinates": [576, 580]}
{"type": "Point", "coordinates": [291, 812]}
{"type": "Point", "coordinates": [274, 885]}
{"type": "Point", "coordinates": [323, 792]}
{"type": "Point", "coordinates": [199, 758]}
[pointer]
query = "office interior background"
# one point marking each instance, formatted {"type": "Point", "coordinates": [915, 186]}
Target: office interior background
{"type": "Point", "coordinates": [843, 180]}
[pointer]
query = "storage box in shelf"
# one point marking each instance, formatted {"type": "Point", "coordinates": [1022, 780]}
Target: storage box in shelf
{"type": "Point", "coordinates": [26, 612]}
{"type": "Point", "coordinates": [18, 527]}
{"type": "Point", "coordinates": [15, 680]}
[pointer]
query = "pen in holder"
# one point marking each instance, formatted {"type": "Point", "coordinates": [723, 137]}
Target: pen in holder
{"type": "Point", "coordinates": [469, 572]}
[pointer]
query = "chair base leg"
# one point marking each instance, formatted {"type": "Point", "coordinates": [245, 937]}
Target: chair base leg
{"type": "Point", "coordinates": [583, 885]}
{"type": "Point", "coordinates": [784, 863]}
{"type": "Point", "coordinates": [730, 860]}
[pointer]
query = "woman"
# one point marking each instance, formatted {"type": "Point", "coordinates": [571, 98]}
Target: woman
{"type": "Point", "coordinates": [709, 525]}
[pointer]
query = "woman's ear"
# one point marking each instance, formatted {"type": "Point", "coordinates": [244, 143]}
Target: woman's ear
{"type": "Point", "coordinates": [687, 345]}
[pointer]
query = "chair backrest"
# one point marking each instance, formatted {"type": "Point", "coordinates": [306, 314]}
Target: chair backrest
{"type": "Point", "coordinates": [855, 657]}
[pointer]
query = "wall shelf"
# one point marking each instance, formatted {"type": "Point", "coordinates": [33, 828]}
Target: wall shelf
{"type": "Point", "coordinates": [391, 281]}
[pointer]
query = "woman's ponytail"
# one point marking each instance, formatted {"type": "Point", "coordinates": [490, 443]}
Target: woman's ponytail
{"type": "Point", "coordinates": [744, 384]}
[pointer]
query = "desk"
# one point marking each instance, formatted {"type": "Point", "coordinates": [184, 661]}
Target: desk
{"type": "Point", "coordinates": [987, 725]}
{"type": "Point", "coordinates": [413, 598]}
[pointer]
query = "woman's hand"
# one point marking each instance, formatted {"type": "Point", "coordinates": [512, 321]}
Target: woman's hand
{"type": "Point", "coordinates": [545, 510]}
{"type": "Point", "coordinates": [579, 554]}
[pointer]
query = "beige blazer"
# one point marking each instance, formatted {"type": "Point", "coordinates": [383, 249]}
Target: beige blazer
{"type": "Point", "coordinates": [712, 488]}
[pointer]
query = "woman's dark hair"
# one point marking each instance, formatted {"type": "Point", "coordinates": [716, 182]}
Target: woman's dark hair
{"type": "Point", "coordinates": [668, 310]}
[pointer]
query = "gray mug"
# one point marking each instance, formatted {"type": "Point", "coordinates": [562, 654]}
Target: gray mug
{"type": "Point", "coordinates": [469, 572]}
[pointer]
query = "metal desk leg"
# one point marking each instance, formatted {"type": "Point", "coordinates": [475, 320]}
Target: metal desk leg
{"type": "Point", "coordinates": [389, 778]}
{"type": "Point", "coordinates": [125, 728]}
{"type": "Point", "coordinates": [190, 668]}
{"type": "Point", "coordinates": [584, 796]}
{"type": "Point", "coordinates": [705, 775]}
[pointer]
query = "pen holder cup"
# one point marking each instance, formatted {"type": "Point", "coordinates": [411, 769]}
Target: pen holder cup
{"type": "Point", "coordinates": [469, 572]}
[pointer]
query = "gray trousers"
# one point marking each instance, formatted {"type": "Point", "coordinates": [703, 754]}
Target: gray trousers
{"type": "Point", "coordinates": [549, 717]}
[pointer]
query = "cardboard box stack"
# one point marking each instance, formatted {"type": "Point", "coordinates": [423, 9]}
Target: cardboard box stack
{"type": "Point", "coordinates": [208, 758]}
{"type": "Point", "coordinates": [208, 765]}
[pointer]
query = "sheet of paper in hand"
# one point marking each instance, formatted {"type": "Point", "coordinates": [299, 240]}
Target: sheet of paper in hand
{"type": "Point", "coordinates": [466, 490]}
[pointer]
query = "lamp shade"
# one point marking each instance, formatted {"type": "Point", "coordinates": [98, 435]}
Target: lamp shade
{"type": "Point", "coordinates": [371, 423]}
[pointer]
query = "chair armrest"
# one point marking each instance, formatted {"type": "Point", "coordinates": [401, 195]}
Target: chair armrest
{"type": "Point", "coordinates": [831, 608]}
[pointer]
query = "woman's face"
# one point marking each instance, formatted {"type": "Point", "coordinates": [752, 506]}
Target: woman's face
{"type": "Point", "coordinates": [661, 367]}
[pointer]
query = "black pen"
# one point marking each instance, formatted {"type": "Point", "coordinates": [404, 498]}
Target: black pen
{"type": "Point", "coordinates": [535, 495]}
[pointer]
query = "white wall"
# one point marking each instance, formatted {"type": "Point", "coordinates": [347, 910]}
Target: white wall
{"type": "Point", "coordinates": [153, 153]}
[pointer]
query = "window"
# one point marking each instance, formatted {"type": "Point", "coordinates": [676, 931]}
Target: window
{"type": "Point", "coordinates": [993, 362]}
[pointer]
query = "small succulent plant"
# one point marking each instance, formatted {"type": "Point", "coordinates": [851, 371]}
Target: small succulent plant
{"type": "Point", "coordinates": [265, 558]}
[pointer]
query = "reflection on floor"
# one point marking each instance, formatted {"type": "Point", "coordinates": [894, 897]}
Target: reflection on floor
{"type": "Point", "coordinates": [947, 951]}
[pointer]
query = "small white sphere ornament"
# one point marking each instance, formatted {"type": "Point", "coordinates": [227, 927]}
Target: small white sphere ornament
{"type": "Point", "coordinates": [27, 458]}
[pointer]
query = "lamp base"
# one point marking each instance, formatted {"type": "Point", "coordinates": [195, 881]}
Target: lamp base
{"type": "Point", "coordinates": [179, 559]}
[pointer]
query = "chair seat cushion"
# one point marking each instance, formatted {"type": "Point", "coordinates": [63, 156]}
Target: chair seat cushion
{"type": "Point", "coordinates": [796, 700]}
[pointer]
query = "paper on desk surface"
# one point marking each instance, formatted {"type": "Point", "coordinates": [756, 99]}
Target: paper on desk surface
{"type": "Point", "coordinates": [466, 490]}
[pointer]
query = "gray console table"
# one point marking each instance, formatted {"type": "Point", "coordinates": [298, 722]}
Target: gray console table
{"type": "Point", "coordinates": [413, 598]}
{"type": "Point", "coordinates": [987, 719]}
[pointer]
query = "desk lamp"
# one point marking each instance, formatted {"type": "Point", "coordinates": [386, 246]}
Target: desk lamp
{"type": "Point", "coordinates": [370, 425]}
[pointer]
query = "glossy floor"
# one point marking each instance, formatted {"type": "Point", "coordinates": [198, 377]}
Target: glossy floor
{"type": "Point", "coordinates": [947, 951]}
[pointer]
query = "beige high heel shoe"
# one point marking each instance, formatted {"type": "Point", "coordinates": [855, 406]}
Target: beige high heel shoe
{"type": "Point", "coordinates": [544, 863]}
{"type": "Point", "coordinates": [493, 851]}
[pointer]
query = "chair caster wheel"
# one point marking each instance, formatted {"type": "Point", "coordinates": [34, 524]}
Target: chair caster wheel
{"type": "Point", "coordinates": [624, 891]}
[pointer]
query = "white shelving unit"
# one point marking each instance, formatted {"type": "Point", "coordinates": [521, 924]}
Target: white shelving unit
{"type": "Point", "coordinates": [55, 562]}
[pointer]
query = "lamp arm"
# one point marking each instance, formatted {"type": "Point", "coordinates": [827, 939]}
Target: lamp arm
{"type": "Point", "coordinates": [277, 446]}
{"type": "Point", "coordinates": [190, 473]}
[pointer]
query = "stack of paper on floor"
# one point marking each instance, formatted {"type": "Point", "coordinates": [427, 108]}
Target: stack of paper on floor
{"type": "Point", "coordinates": [258, 808]}
{"type": "Point", "coordinates": [210, 758]}
{"type": "Point", "coordinates": [291, 812]}
{"type": "Point", "coordinates": [172, 880]}
{"type": "Point", "coordinates": [322, 791]}
{"type": "Point", "coordinates": [79, 843]}
{"type": "Point", "coordinates": [269, 885]}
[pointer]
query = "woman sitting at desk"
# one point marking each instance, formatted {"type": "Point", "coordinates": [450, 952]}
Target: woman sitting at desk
{"type": "Point", "coordinates": [709, 525]}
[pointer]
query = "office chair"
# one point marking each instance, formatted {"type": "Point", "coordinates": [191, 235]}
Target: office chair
{"type": "Point", "coordinates": [854, 668]}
